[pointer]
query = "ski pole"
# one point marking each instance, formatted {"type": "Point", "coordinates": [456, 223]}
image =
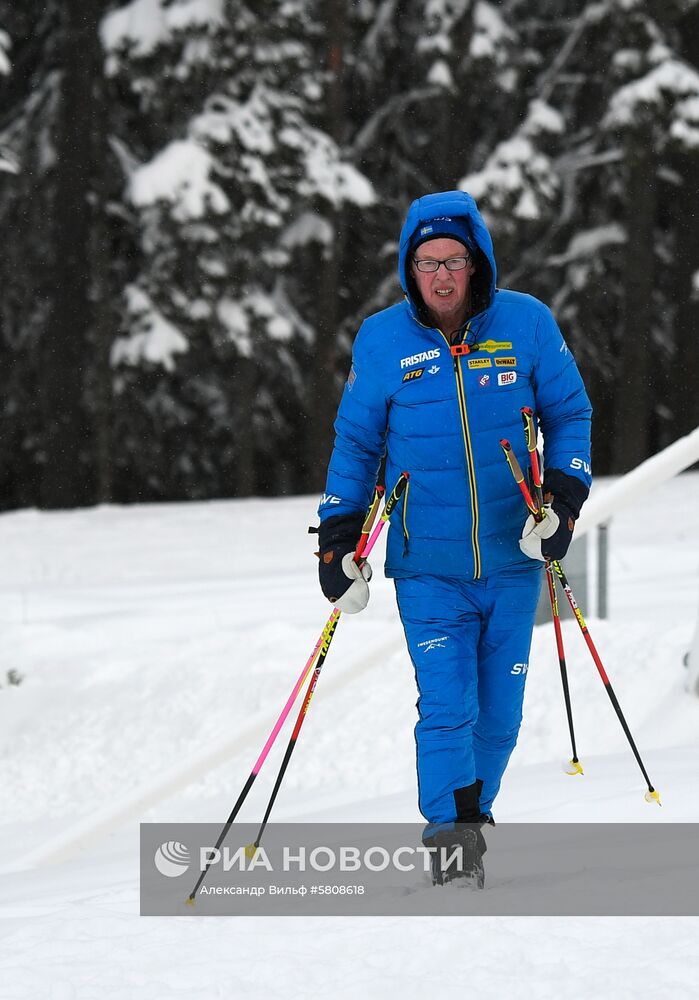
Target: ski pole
{"type": "Point", "coordinates": [385, 516]}
{"type": "Point", "coordinates": [323, 643]}
{"type": "Point", "coordinates": [320, 647]}
{"type": "Point", "coordinates": [538, 496]}
{"type": "Point", "coordinates": [652, 795]}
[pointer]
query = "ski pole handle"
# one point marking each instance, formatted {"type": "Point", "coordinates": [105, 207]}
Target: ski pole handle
{"type": "Point", "coordinates": [530, 437]}
{"type": "Point", "coordinates": [516, 470]}
{"type": "Point", "coordinates": [389, 507]}
{"type": "Point", "coordinates": [368, 523]}
{"type": "Point", "coordinates": [396, 493]}
{"type": "Point", "coordinates": [529, 428]}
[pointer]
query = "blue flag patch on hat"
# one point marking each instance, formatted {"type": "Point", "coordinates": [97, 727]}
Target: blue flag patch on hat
{"type": "Point", "coordinates": [442, 227]}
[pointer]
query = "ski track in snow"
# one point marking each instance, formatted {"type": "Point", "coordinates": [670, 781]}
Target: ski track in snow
{"type": "Point", "coordinates": [157, 646]}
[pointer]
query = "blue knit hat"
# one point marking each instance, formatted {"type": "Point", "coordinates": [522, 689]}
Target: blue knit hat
{"type": "Point", "coordinates": [442, 227]}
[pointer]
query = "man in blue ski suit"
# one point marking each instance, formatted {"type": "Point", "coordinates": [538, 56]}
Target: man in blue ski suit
{"type": "Point", "coordinates": [436, 382]}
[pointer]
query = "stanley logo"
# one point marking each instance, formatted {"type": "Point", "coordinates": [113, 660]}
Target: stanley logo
{"type": "Point", "coordinates": [480, 363]}
{"type": "Point", "coordinates": [412, 375]}
{"type": "Point", "coordinates": [491, 346]}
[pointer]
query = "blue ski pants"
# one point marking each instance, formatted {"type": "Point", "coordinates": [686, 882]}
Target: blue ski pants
{"type": "Point", "coordinates": [469, 641]}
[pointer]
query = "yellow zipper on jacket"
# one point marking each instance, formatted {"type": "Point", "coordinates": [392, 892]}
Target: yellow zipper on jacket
{"type": "Point", "coordinates": [462, 349]}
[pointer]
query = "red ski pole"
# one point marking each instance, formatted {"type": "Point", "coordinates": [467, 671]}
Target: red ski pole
{"type": "Point", "coordinates": [574, 766]}
{"type": "Point", "coordinates": [651, 795]}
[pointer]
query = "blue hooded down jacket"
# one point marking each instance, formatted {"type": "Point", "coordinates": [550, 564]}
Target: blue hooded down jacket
{"type": "Point", "coordinates": [439, 412]}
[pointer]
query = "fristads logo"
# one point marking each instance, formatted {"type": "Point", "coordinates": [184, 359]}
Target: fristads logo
{"type": "Point", "coordinates": [480, 363]}
{"type": "Point", "coordinates": [505, 362]}
{"type": "Point", "coordinates": [491, 346]}
{"type": "Point", "coordinates": [172, 859]}
{"type": "Point", "coordinates": [418, 359]}
{"type": "Point", "coordinates": [413, 374]}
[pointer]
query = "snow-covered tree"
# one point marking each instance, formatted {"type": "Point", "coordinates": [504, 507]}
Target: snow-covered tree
{"type": "Point", "coordinates": [585, 199]}
{"type": "Point", "coordinates": [201, 199]}
{"type": "Point", "coordinates": [48, 132]}
{"type": "Point", "coordinates": [232, 197]}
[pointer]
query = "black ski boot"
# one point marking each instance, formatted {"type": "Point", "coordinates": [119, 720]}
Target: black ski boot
{"type": "Point", "coordinates": [460, 848]}
{"type": "Point", "coordinates": [458, 856]}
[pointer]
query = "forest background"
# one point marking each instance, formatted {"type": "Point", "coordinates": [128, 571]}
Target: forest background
{"type": "Point", "coordinates": [200, 201]}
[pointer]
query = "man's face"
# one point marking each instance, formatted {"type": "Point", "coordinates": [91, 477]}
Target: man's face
{"type": "Point", "coordinates": [445, 293]}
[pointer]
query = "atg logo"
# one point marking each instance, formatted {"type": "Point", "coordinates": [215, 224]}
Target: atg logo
{"type": "Point", "coordinates": [172, 859]}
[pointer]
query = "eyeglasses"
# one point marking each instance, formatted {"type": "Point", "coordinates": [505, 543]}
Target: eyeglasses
{"type": "Point", "coordinates": [428, 265]}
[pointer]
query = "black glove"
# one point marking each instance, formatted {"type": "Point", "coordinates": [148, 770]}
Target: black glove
{"type": "Point", "coordinates": [338, 536]}
{"type": "Point", "coordinates": [566, 494]}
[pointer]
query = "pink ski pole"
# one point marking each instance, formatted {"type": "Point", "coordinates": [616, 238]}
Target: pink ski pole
{"type": "Point", "coordinates": [305, 704]}
{"type": "Point", "coordinates": [364, 546]}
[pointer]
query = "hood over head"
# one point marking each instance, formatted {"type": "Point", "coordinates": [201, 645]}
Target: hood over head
{"type": "Point", "coordinates": [453, 214]}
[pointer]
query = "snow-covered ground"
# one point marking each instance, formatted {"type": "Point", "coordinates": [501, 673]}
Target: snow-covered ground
{"type": "Point", "coordinates": [156, 646]}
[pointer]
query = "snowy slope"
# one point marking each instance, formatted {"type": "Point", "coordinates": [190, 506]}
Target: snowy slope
{"type": "Point", "coordinates": [157, 645]}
